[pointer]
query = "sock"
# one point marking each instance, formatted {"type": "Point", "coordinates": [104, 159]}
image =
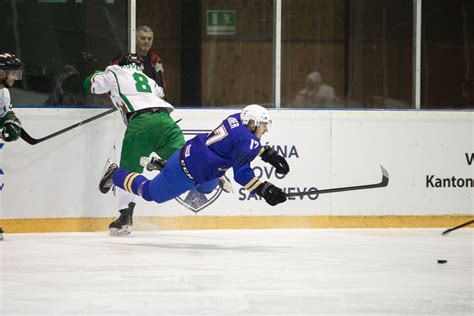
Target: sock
{"type": "Point", "coordinates": [132, 182]}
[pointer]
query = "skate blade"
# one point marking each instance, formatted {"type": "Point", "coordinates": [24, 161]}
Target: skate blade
{"type": "Point", "coordinates": [108, 162]}
{"type": "Point", "coordinates": [125, 230]}
{"type": "Point", "coordinates": [106, 168]}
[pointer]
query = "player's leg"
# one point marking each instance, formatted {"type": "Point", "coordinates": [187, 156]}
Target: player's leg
{"type": "Point", "coordinates": [1, 233]}
{"type": "Point", "coordinates": [135, 144]}
{"type": "Point", "coordinates": [168, 139]}
{"type": "Point", "coordinates": [169, 136]}
{"type": "Point", "coordinates": [171, 182]}
{"type": "Point", "coordinates": [123, 224]}
{"type": "Point", "coordinates": [138, 141]}
{"type": "Point", "coordinates": [208, 186]}
{"type": "Point", "coordinates": [155, 163]}
{"type": "Point", "coordinates": [168, 184]}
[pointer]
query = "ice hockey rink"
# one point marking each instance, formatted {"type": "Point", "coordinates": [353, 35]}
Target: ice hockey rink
{"type": "Point", "coordinates": [239, 272]}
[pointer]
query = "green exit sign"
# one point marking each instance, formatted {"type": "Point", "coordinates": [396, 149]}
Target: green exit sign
{"type": "Point", "coordinates": [221, 22]}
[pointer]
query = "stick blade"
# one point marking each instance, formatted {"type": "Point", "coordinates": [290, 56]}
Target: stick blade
{"type": "Point", "coordinates": [385, 176]}
{"type": "Point", "coordinates": [447, 231]}
{"type": "Point", "coordinates": [27, 138]}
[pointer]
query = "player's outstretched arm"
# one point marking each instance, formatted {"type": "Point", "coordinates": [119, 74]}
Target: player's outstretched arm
{"type": "Point", "coordinates": [272, 157]}
{"type": "Point", "coordinates": [97, 83]}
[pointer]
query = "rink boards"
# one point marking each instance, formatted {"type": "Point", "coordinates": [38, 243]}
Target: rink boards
{"type": "Point", "coordinates": [52, 186]}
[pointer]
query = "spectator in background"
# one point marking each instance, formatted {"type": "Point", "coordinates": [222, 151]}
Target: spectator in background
{"type": "Point", "coordinates": [316, 93]}
{"type": "Point", "coordinates": [151, 60]}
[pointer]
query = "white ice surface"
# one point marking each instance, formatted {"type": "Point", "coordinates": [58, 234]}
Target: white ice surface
{"type": "Point", "coordinates": [239, 272]}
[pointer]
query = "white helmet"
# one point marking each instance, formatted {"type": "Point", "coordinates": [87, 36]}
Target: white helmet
{"type": "Point", "coordinates": [256, 113]}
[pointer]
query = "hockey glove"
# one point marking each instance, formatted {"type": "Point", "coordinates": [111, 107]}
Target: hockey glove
{"type": "Point", "coordinates": [279, 162]}
{"type": "Point", "coordinates": [11, 128]}
{"type": "Point", "coordinates": [272, 194]}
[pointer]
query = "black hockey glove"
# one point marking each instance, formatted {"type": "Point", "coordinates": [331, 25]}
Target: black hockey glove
{"type": "Point", "coordinates": [11, 128]}
{"type": "Point", "coordinates": [272, 194]}
{"type": "Point", "coordinates": [279, 162]}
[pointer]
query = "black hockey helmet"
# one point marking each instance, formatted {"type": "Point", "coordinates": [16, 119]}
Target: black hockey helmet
{"type": "Point", "coordinates": [131, 59]}
{"type": "Point", "coordinates": [9, 62]}
{"type": "Point", "coordinates": [10, 67]}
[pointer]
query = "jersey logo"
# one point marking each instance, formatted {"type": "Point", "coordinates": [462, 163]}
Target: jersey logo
{"type": "Point", "coordinates": [187, 151]}
{"type": "Point", "coordinates": [254, 144]}
{"type": "Point", "coordinates": [233, 122]}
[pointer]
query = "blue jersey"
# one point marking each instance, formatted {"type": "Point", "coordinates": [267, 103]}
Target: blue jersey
{"type": "Point", "coordinates": [230, 145]}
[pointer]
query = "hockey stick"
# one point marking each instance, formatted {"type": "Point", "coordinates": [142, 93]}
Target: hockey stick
{"type": "Point", "coordinates": [447, 231]}
{"type": "Point", "coordinates": [381, 184]}
{"type": "Point", "coordinates": [33, 141]}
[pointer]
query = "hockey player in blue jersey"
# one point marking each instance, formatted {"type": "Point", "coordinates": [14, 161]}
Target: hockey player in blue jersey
{"type": "Point", "coordinates": [204, 159]}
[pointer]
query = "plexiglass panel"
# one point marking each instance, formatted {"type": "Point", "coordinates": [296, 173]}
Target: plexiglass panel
{"type": "Point", "coordinates": [216, 53]}
{"type": "Point", "coordinates": [448, 54]}
{"type": "Point", "coordinates": [349, 54]}
{"type": "Point", "coordinates": [60, 43]}
{"type": "Point", "coordinates": [219, 53]}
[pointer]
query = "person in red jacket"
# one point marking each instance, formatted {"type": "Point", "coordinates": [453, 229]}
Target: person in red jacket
{"type": "Point", "coordinates": [153, 67]}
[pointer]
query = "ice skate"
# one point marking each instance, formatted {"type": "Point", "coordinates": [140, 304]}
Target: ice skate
{"type": "Point", "coordinates": [106, 182]}
{"type": "Point", "coordinates": [152, 163]}
{"type": "Point", "coordinates": [123, 225]}
{"type": "Point", "coordinates": [225, 184]}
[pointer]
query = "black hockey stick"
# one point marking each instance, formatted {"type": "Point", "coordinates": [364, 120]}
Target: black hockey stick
{"type": "Point", "coordinates": [381, 184]}
{"type": "Point", "coordinates": [447, 231]}
{"type": "Point", "coordinates": [33, 141]}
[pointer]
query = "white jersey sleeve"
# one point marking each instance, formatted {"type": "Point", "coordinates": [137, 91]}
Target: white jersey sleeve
{"type": "Point", "coordinates": [102, 82]}
{"type": "Point", "coordinates": [5, 102]}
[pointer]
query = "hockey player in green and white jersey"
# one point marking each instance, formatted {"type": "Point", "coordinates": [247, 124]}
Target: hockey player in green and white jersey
{"type": "Point", "coordinates": [150, 127]}
{"type": "Point", "coordinates": [10, 125]}
{"type": "Point", "coordinates": [10, 71]}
